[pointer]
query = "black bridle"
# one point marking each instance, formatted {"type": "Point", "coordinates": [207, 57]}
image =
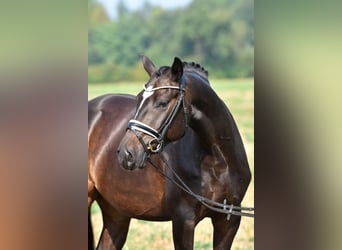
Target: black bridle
{"type": "Point", "coordinates": [156, 144]}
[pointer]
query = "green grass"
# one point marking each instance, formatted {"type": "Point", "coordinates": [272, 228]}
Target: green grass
{"type": "Point", "coordinates": [239, 97]}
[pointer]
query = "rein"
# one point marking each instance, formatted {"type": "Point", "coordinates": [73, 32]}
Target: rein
{"type": "Point", "coordinates": [212, 205]}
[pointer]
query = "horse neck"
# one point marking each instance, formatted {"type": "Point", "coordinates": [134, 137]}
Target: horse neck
{"type": "Point", "coordinates": [214, 123]}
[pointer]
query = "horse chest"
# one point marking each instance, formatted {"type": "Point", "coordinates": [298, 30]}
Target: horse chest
{"type": "Point", "coordinates": [137, 194]}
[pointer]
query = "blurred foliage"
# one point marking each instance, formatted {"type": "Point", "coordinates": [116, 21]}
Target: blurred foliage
{"type": "Point", "coordinates": [216, 34]}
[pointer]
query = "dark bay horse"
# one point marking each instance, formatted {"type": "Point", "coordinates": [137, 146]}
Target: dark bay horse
{"type": "Point", "coordinates": [178, 127]}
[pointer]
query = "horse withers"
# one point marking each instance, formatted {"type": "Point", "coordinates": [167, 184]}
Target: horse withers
{"type": "Point", "coordinates": [182, 146]}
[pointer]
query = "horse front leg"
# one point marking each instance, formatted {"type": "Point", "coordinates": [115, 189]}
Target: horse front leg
{"type": "Point", "coordinates": [114, 233]}
{"type": "Point", "coordinates": [224, 230]}
{"type": "Point", "coordinates": [115, 227]}
{"type": "Point", "coordinates": [183, 233]}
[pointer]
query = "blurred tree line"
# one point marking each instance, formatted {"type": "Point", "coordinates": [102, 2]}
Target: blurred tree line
{"type": "Point", "coordinates": [217, 34]}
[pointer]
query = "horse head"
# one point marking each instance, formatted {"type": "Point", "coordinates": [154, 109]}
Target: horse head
{"type": "Point", "coordinates": [161, 115]}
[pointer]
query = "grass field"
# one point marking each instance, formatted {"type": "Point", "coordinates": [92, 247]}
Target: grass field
{"type": "Point", "coordinates": [143, 235]}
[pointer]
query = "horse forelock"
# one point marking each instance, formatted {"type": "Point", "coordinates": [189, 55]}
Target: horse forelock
{"type": "Point", "coordinates": [154, 78]}
{"type": "Point", "coordinates": [162, 70]}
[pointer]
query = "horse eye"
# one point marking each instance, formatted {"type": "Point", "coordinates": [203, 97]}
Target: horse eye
{"type": "Point", "coordinates": [162, 104]}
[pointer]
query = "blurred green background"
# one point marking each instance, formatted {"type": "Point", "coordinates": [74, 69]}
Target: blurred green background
{"type": "Point", "coordinates": [217, 34]}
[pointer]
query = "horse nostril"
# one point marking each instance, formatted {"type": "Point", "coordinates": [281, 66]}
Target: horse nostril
{"type": "Point", "coordinates": [129, 156]}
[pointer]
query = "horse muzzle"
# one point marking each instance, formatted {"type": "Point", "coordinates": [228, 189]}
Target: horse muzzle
{"type": "Point", "coordinates": [126, 159]}
{"type": "Point", "coordinates": [131, 157]}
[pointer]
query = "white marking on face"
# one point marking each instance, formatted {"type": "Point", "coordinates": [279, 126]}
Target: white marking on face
{"type": "Point", "coordinates": [147, 93]}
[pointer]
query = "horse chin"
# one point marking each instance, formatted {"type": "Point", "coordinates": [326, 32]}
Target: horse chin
{"type": "Point", "coordinates": [142, 166]}
{"type": "Point", "coordinates": [128, 165]}
{"type": "Point", "coordinates": [133, 166]}
{"type": "Point", "coordinates": [142, 163]}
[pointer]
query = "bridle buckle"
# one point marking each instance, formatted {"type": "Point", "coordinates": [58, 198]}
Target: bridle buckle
{"type": "Point", "coordinates": [154, 145]}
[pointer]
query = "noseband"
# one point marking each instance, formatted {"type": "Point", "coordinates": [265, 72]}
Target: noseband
{"type": "Point", "coordinates": [156, 144]}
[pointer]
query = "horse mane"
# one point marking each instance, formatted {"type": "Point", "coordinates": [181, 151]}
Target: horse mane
{"type": "Point", "coordinates": [195, 67]}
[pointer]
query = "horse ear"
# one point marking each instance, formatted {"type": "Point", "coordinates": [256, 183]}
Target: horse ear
{"type": "Point", "coordinates": [177, 69]}
{"type": "Point", "coordinates": [148, 65]}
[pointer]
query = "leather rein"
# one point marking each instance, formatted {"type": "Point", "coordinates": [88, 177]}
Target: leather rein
{"type": "Point", "coordinates": [156, 145]}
